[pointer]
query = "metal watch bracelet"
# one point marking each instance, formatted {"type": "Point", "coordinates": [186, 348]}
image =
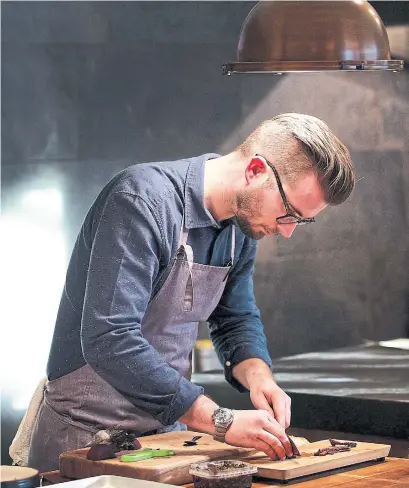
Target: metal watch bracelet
{"type": "Point", "coordinates": [222, 418]}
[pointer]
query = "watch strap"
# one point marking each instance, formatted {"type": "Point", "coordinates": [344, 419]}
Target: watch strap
{"type": "Point", "coordinates": [221, 429]}
{"type": "Point", "coordinates": [220, 433]}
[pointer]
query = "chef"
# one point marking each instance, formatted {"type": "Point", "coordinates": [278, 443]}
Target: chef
{"type": "Point", "coordinates": [164, 246]}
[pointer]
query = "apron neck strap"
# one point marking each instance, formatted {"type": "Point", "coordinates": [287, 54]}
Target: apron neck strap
{"type": "Point", "coordinates": [184, 234]}
{"type": "Point", "coordinates": [233, 244]}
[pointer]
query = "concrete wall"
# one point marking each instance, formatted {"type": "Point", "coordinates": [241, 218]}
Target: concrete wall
{"type": "Point", "coordinates": [345, 278]}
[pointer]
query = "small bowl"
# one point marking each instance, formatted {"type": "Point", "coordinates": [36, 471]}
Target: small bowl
{"type": "Point", "coordinates": [226, 473]}
{"type": "Point", "coordinates": [19, 477]}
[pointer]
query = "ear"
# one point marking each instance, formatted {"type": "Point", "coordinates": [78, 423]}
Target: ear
{"type": "Point", "coordinates": [256, 171]}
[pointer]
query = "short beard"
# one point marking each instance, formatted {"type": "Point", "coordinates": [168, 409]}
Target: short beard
{"type": "Point", "coordinates": [247, 204]}
{"type": "Point", "coordinates": [245, 226]}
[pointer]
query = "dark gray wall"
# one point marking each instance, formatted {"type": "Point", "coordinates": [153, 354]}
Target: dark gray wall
{"type": "Point", "coordinates": [115, 79]}
{"type": "Point", "coordinates": [87, 84]}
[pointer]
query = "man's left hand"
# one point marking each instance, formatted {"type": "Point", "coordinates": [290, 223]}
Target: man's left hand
{"type": "Point", "coordinates": [265, 394]}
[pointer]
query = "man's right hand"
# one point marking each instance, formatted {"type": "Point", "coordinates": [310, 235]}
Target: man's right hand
{"type": "Point", "coordinates": [258, 429]}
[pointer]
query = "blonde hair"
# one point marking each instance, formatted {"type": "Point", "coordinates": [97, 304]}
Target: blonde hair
{"type": "Point", "coordinates": [298, 143]}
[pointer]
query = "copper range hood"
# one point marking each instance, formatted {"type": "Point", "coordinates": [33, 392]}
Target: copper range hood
{"type": "Point", "coordinates": [306, 36]}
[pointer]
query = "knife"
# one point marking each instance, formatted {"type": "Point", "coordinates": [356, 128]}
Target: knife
{"type": "Point", "coordinates": [294, 448]}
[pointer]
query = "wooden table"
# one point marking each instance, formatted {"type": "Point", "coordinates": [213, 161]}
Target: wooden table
{"type": "Point", "coordinates": [393, 473]}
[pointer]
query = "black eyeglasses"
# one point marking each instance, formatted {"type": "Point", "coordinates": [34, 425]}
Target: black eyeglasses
{"type": "Point", "coordinates": [289, 217]}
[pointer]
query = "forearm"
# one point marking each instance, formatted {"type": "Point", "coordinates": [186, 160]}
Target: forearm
{"type": "Point", "coordinates": [252, 371]}
{"type": "Point", "coordinates": [235, 325]}
{"type": "Point", "coordinates": [137, 371]}
{"type": "Point", "coordinates": [199, 416]}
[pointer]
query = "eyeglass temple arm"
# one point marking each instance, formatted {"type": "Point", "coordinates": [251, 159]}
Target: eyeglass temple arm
{"type": "Point", "coordinates": [280, 188]}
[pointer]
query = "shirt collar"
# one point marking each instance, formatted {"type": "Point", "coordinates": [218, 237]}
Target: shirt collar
{"type": "Point", "coordinates": [196, 215]}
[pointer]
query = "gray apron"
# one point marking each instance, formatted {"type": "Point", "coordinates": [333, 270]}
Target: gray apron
{"type": "Point", "coordinates": [80, 403]}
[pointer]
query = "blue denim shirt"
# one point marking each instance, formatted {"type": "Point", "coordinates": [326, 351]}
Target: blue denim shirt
{"type": "Point", "coordinates": [143, 205]}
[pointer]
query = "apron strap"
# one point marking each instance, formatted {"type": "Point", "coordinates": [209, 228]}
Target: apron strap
{"type": "Point", "coordinates": [188, 300]}
{"type": "Point", "coordinates": [188, 249]}
{"type": "Point", "coordinates": [233, 244]}
{"type": "Point", "coordinates": [183, 232]}
{"type": "Point", "coordinates": [183, 243]}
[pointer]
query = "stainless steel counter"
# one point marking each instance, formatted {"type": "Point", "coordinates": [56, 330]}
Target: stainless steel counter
{"type": "Point", "coordinates": [362, 389]}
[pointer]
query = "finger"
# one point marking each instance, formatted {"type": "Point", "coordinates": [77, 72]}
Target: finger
{"type": "Point", "coordinates": [275, 429]}
{"type": "Point", "coordinates": [261, 403]}
{"type": "Point", "coordinates": [273, 443]}
{"type": "Point", "coordinates": [279, 407]}
{"type": "Point", "coordinates": [287, 412]}
{"type": "Point", "coordinates": [266, 448]}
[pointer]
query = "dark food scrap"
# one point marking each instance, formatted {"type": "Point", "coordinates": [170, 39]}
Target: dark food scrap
{"type": "Point", "coordinates": [125, 440]}
{"type": "Point", "coordinates": [100, 452]}
{"type": "Point", "coordinates": [331, 450]}
{"type": "Point", "coordinates": [336, 446]}
{"type": "Point", "coordinates": [193, 442]}
{"type": "Point", "coordinates": [106, 443]}
{"type": "Point", "coordinates": [334, 442]}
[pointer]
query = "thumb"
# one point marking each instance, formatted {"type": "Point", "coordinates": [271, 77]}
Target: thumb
{"type": "Point", "coordinates": [279, 411]}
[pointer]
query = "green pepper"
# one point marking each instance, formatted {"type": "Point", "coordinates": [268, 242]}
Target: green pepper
{"type": "Point", "coordinates": [162, 452]}
{"type": "Point", "coordinates": [145, 454]}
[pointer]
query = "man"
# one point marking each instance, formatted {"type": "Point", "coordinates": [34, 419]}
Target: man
{"type": "Point", "coordinates": [164, 246]}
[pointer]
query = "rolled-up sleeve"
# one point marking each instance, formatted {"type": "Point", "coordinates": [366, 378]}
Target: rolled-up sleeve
{"type": "Point", "coordinates": [125, 256]}
{"type": "Point", "coordinates": [235, 326]}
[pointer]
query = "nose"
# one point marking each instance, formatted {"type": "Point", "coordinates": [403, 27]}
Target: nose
{"type": "Point", "coordinates": [286, 230]}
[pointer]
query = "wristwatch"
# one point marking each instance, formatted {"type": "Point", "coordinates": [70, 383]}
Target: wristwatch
{"type": "Point", "coordinates": [222, 419]}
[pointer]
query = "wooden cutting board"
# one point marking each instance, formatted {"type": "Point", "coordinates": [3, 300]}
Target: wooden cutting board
{"type": "Point", "coordinates": [303, 466]}
{"type": "Point", "coordinates": [173, 469]}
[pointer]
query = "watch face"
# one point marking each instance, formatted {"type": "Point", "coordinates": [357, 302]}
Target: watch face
{"type": "Point", "coordinates": [223, 416]}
